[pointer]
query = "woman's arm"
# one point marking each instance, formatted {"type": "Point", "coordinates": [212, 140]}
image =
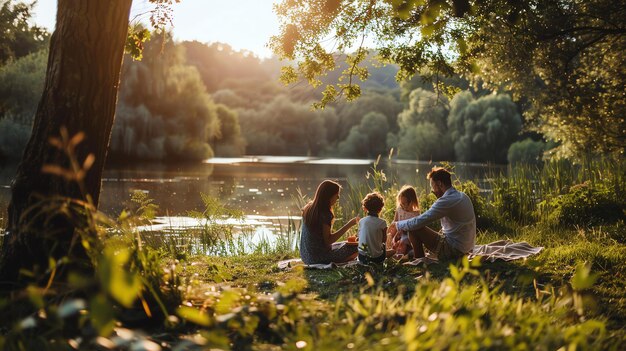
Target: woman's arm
{"type": "Point", "coordinates": [330, 238]}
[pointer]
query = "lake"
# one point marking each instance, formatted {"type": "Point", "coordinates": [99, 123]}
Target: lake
{"type": "Point", "coordinates": [263, 187]}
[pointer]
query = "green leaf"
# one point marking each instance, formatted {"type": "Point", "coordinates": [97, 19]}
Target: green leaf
{"type": "Point", "coordinates": [194, 315]}
{"type": "Point", "coordinates": [369, 278]}
{"type": "Point", "coordinates": [456, 274]}
{"type": "Point", "coordinates": [35, 295]}
{"type": "Point", "coordinates": [135, 40]}
{"type": "Point", "coordinates": [427, 30]}
{"type": "Point", "coordinates": [288, 75]}
{"type": "Point", "coordinates": [123, 284]}
{"type": "Point", "coordinates": [228, 300]}
{"type": "Point", "coordinates": [461, 45]}
{"type": "Point", "coordinates": [583, 278]}
{"type": "Point", "coordinates": [293, 286]}
{"type": "Point", "coordinates": [101, 315]}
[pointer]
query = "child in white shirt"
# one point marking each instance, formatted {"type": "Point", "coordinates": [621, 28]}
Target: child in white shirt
{"type": "Point", "coordinates": [372, 231]}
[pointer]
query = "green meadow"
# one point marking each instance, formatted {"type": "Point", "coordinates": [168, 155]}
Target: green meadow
{"type": "Point", "coordinates": [167, 296]}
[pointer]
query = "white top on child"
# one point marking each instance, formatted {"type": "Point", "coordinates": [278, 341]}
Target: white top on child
{"type": "Point", "coordinates": [402, 214]}
{"type": "Point", "coordinates": [372, 236]}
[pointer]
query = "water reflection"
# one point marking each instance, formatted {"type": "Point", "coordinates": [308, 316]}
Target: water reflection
{"type": "Point", "coordinates": [243, 235]}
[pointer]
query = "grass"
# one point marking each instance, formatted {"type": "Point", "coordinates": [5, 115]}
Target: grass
{"type": "Point", "coordinates": [570, 296]}
{"type": "Point", "coordinates": [494, 305]}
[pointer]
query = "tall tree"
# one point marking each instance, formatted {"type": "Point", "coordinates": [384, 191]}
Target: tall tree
{"type": "Point", "coordinates": [423, 128]}
{"type": "Point", "coordinates": [565, 57]}
{"type": "Point", "coordinates": [80, 93]}
{"type": "Point", "coordinates": [482, 130]}
{"type": "Point", "coordinates": [164, 111]}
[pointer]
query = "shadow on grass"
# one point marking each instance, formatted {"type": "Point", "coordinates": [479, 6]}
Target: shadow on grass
{"type": "Point", "coordinates": [511, 278]}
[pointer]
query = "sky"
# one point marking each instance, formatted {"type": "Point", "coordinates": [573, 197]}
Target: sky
{"type": "Point", "coordinates": [243, 24]}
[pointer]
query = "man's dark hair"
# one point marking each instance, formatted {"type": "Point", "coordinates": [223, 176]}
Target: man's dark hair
{"type": "Point", "coordinates": [440, 174]}
{"type": "Point", "coordinates": [373, 202]}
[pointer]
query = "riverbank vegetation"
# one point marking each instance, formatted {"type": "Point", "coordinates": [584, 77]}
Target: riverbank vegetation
{"type": "Point", "coordinates": [165, 292]}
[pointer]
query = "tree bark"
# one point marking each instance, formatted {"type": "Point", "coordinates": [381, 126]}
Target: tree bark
{"type": "Point", "coordinates": [80, 94]}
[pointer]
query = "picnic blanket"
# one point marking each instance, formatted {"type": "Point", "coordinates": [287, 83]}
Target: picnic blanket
{"type": "Point", "coordinates": [298, 262]}
{"type": "Point", "coordinates": [286, 264]}
{"type": "Point", "coordinates": [505, 250]}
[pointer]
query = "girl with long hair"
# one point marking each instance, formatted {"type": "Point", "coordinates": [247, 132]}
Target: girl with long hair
{"type": "Point", "coordinates": [407, 206]}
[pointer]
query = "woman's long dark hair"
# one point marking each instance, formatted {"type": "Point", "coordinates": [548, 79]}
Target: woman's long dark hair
{"type": "Point", "coordinates": [313, 211]}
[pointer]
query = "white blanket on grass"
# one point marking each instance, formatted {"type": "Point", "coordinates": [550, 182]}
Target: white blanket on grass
{"type": "Point", "coordinates": [298, 262]}
{"type": "Point", "coordinates": [505, 250]}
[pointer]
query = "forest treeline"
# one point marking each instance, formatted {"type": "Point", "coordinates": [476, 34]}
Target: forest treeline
{"type": "Point", "coordinates": [191, 101]}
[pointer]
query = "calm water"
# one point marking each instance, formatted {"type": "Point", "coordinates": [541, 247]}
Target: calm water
{"type": "Point", "coordinates": [263, 187]}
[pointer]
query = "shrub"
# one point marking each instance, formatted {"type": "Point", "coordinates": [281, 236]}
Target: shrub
{"type": "Point", "coordinates": [582, 205]}
{"type": "Point", "coordinates": [486, 214]}
{"type": "Point", "coordinates": [526, 151]}
{"type": "Point", "coordinates": [14, 139]}
{"type": "Point", "coordinates": [514, 200]}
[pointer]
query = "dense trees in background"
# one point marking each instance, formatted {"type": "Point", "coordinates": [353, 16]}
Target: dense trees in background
{"type": "Point", "coordinates": [285, 127]}
{"type": "Point", "coordinates": [229, 141]}
{"type": "Point", "coordinates": [423, 127]}
{"type": "Point", "coordinates": [191, 101]}
{"type": "Point", "coordinates": [367, 139]}
{"type": "Point", "coordinates": [384, 102]}
{"type": "Point", "coordinates": [526, 151]}
{"type": "Point", "coordinates": [21, 84]}
{"type": "Point", "coordinates": [164, 111]}
{"type": "Point", "coordinates": [481, 130]}
{"type": "Point", "coordinates": [23, 58]}
{"type": "Point", "coordinates": [278, 120]}
{"type": "Point", "coordinates": [563, 60]}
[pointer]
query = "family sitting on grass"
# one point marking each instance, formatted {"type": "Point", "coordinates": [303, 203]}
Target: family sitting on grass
{"type": "Point", "coordinates": [407, 236]}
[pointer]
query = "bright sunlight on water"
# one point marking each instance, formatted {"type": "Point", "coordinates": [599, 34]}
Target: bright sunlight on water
{"type": "Point", "coordinates": [264, 188]}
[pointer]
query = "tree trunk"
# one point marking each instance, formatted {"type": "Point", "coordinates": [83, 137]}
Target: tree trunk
{"type": "Point", "coordinates": [80, 94]}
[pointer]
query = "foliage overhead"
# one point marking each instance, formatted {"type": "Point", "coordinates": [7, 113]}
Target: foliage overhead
{"type": "Point", "coordinates": [564, 58]}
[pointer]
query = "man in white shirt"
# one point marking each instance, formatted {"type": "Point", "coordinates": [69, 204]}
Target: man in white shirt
{"type": "Point", "coordinates": [458, 222]}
